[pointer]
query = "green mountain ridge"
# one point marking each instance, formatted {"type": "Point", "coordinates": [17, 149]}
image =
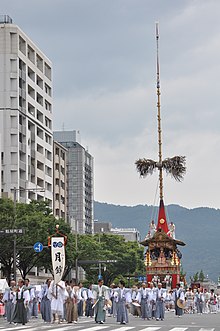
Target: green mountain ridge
{"type": "Point", "coordinates": [199, 228]}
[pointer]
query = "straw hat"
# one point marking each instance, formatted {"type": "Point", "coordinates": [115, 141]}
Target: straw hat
{"type": "Point", "coordinates": [181, 303]}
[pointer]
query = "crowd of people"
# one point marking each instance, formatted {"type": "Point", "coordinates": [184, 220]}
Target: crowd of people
{"type": "Point", "coordinates": [68, 301]}
{"type": "Point", "coordinates": [202, 301]}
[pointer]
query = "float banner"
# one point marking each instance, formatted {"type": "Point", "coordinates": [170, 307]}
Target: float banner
{"type": "Point", "coordinates": [58, 257]}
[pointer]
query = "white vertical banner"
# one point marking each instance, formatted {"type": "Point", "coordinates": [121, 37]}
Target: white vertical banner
{"type": "Point", "coordinates": [58, 257]}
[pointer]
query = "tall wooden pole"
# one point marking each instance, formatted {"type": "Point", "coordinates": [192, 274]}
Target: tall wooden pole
{"type": "Point", "coordinates": [159, 117]}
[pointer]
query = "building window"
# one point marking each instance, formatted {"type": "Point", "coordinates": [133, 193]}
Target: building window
{"type": "Point", "coordinates": [48, 171]}
{"type": "Point", "coordinates": [47, 71]}
{"type": "Point", "coordinates": [40, 133]}
{"type": "Point", "coordinates": [48, 155]}
{"type": "Point", "coordinates": [40, 116]}
{"type": "Point", "coordinates": [31, 92]}
{"type": "Point", "coordinates": [62, 155]}
{"type": "Point", "coordinates": [31, 74]}
{"type": "Point", "coordinates": [40, 149]}
{"type": "Point", "coordinates": [62, 170]}
{"type": "Point", "coordinates": [22, 67]}
{"type": "Point", "coordinates": [20, 137]}
{"type": "Point", "coordinates": [20, 119]}
{"type": "Point", "coordinates": [48, 122]}
{"type": "Point", "coordinates": [47, 89]}
{"type": "Point", "coordinates": [39, 63]}
{"type": "Point", "coordinates": [40, 165]}
{"type": "Point", "coordinates": [40, 182]}
{"type": "Point", "coordinates": [31, 109]}
{"type": "Point", "coordinates": [48, 187]}
{"type": "Point", "coordinates": [40, 99]}
{"type": "Point", "coordinates": [40, 82]}
{"type": "Point", "coordinates": [31, 54]}
{"type": "Point", "coordinates": [47, 106]}
{"type": "Point", "coordinates": [22, 45]}
{"type": "Point", "coordinates": [48, 139]}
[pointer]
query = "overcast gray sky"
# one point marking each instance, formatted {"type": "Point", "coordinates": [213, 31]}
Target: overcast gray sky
{"type": "Point", "coordinates": [104, 70]}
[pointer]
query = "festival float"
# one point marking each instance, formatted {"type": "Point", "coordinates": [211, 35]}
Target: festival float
{"type": "Point", "coordinates": [162, 256]}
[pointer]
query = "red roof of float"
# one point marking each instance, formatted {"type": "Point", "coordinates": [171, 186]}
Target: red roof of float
{"type": "Point", "coordinates": [162, 221]}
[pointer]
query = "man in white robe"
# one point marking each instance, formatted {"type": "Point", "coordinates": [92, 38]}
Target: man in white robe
{"type": "Point", "coordinates": [171, 231]}
{"type": "Point", "coordinates": [31, 290]}
{"type": "Point", "coordinates": [123, 299]}
{"type": "Point", "coordinates": [101, 295]}
{"type": "Point", "coordinates": [82, 299]}
{"type": "Point", "coordinates": [8, 301]}
{"type": "Point", "coordinates": [178, 294]}
{"type": "Point", "coordinates": [160, 295]}
{"type": "Point", "coordinates": [152, 228]}
{"type": "Point", "coordinates": [57, 294]}
{"type": "Point", "coordinates": [152, 300]}
{"type": "Point", "coordinates": [143, 299]}
{"type": "Point", "coordinates": [21, 301]}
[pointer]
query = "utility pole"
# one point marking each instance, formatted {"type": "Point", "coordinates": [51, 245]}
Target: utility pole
{"type": "Point", "coordinates": [100, 265]}
{"type": "Point", "coordinates": [15, 238]}
{"type": "Point", "coordinates": [76, 239]}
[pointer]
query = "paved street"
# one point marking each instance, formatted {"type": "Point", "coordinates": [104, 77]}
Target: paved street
{"type": "Point", "coordinates": [171, 323]}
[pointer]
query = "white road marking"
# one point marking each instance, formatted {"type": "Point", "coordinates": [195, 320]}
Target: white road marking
{"type": "Point", "coordinates": [98, 327]}
{"type": "Point", "coordinates": [151, 328]}
{"type": "Point", "coordinates": [123, 328]}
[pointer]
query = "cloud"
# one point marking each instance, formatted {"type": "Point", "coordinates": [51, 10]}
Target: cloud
{"type": "Point", "coordinates": [108, 115]}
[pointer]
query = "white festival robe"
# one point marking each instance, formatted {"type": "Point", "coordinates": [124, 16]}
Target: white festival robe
{"type": "Point", "coordinates": [57, 297]}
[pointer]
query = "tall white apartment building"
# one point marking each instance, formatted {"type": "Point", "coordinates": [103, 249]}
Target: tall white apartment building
{"type": "Point", "coordinates": [80, 193]}
{"type": "Point", "coordinates": [26, 140]}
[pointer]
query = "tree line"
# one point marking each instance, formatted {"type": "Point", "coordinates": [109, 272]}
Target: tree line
{"type": "Point", "coordinates": [38, 223]}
